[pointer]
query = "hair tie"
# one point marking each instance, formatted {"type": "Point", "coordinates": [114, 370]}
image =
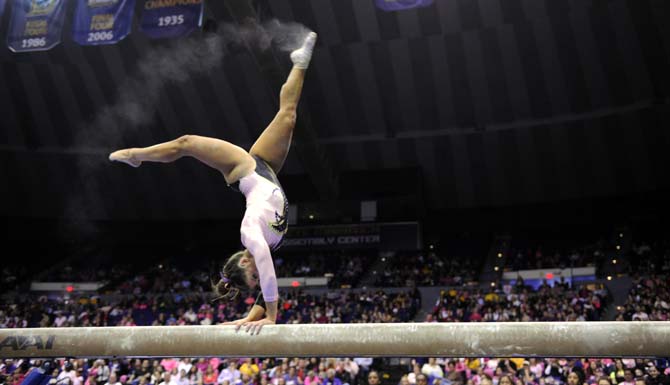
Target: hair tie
{"type": "Point", "coordinates": [224, 278]}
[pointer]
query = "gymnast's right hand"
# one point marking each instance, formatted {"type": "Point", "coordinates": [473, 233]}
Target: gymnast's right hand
{"type": "Point", "coordinates": [238, 323]}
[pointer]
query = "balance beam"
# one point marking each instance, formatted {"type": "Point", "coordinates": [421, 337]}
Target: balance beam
{"type": "Point", "coordinates": [501, 339]}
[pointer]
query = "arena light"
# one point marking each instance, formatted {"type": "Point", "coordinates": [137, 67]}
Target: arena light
{"type": "Point", "coordinates": [486, 339]}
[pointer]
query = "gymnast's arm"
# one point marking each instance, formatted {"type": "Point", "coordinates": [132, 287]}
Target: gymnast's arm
{"type": "Point", "coordinates": [253, 240]}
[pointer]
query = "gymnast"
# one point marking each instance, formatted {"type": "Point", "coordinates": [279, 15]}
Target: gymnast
{"type": "Point", "coordinates": [254, 174]}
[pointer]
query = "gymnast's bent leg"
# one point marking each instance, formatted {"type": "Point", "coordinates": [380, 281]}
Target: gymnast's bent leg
{"type": "Point", "coordinates": [275, 141]}
{"type": "Point", "coordinates": [232, 161]}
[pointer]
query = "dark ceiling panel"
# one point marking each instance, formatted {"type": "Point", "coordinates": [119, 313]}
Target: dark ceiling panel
{"type": "Point", "coordinates": [352, 67]}
{"type": "Point", "coordinates": [477, 81]}
{"type": "Point", "coordinates": [11, 134]}
{"type": "Point", "coordinates": [388, 25]}
{"type": "Point", "coordinates": [408, 24]}
{"type": "Point", "coordinates": [625, 38]}
{"type": "Point", "coordinates": [450, 18]}
{"type": "Point", "coordinates": [568, 56]}
{"type": "Point", "coordinates": [653, 49]}
{"type": "Point", "coordinates": [496, 77]}
{"type": "Point", "coordinates": [462, 96]}
{"type": "Point", "coordinates": [515, 79]}
{"type": "Point", "coordinates": [326, 24]}
{"type": "Point", "coordinates": [492, 13]}
{"type": "Point", "coordinates": [327, 101]}
{"type": "Point", "coordinates": [429, 20]}
{"type": "Point", "coordinates": [405, 88]}
{"type": "Point", "coordinates": [609, 64]}
{"type": "Point", "coordinates": [366, 20]}
{"type": "Point", "coordinates": [471, 16]}
{"type": "Point", "coordinates": [441, 82]}
{"type": "Point", "coordinates": [550, 62]}
{"type": "Point", "coordinates": [324, 107]}
{"type": "Point", "coordinates": [41, 128]}
{"type": "Point", "coordinates": [529, 54]}
{"type": "Point", "coordinates": [422, 71]}
{"type": "Point", "coordinates": [227, 106]}
{"type": "Point", "coordinates": [70, 112]}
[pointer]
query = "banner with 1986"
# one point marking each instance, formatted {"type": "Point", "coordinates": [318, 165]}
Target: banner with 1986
{"type": "Point", "coordinates": [99, 22]}
{"type": "Point", "coordinates": [171, 18]}
{"type": "Point", "coordinates": [35, 25]}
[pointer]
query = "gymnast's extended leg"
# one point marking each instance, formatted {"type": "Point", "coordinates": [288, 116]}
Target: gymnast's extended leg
{"type": "Point", "coordinates": [275, 141]}
{"type": "Point", "coordinates": [232, 161]}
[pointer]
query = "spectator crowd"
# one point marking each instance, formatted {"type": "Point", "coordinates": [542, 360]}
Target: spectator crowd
{"type": "Point", "coordinates": [520, 303]}
{"type": "Point", "coordinates": [342, 371]}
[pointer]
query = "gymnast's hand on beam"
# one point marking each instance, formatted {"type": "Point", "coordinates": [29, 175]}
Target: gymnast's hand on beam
{"type": "Point", "coordinates": [255, 326]}
{"type": "Point", "coordinates": [238, 323]}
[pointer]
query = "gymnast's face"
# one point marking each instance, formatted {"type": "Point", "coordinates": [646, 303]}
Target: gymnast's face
{"type": "Point", "coordinates": [251, 273]}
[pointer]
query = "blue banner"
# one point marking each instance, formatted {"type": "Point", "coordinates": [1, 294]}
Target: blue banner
{"type": "Point", "coordinates": [99, 22]}
{"type": "Point", "coordinates": [399, 5]}
{"type": "Point", "coordinates": [171, 18]}
{"type": "Point", "coordinates": [35, 25]}
{"type": "Point", "coordinates": [2, 8]}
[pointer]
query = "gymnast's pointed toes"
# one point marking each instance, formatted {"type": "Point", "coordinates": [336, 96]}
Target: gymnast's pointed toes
{"type": "Point", "coordinates": [124, 156]}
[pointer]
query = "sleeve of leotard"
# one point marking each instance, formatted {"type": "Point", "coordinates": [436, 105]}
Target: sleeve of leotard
{"type": "Point", "coordinates": [253, 240]}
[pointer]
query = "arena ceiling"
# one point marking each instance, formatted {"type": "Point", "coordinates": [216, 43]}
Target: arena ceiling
{"type": "Point", "coordinates": [494, 102]}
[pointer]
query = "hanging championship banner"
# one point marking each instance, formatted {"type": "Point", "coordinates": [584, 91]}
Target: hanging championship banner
{"type": "Point", "coordinates": [35, 25]}
{"type": "Point", "coordinates": [99, 22]}
{"type": "Point", "coordinates": [171, 18]}
{"type": "Point", "coordinates": [2, 7]}
{"type": "Point", "coordinates": [398, 5]}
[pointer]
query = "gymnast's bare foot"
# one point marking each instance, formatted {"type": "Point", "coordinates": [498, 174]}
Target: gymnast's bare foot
{"type": "Point", "coordinates": [125, 156]}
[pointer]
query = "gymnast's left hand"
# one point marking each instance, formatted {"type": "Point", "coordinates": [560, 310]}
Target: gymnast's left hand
{"type": "Point", "coordinates": [256, 326]}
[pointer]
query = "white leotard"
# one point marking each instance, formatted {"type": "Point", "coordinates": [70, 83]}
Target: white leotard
{"type": "Point", "coordinates": [263, 227]}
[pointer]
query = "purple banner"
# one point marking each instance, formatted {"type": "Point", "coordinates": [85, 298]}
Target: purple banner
{"type": "Point", "coordinates": [35, 25]}
{"type": "Point", "coordinates": [99, 22]}
{"type": "Point", "coordinates": [2, 8]}
{"type": "Point", "coordinates": [171, 18]}
{"type": "Point", "coordinates": [399, 5]}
